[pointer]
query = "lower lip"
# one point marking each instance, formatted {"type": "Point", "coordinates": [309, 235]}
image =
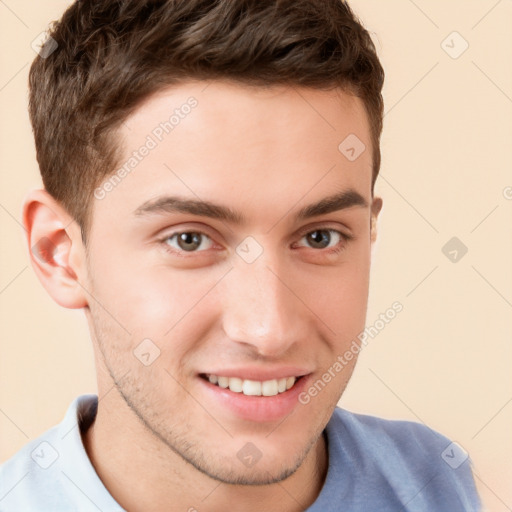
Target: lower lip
{"type": "Point", "coordinates": [256, 408]}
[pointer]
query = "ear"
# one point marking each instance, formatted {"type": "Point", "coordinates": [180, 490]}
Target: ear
{"type": "Point", "coordinates": [56, 249]}
{"type": "Point", "coordinates": [376, 208]}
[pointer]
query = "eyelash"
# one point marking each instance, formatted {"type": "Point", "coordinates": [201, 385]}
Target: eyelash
{"type": "Point", "coordinates": [345, 238]}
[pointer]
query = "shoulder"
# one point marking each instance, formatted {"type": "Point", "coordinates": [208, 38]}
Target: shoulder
{"type": "Point", "coordinates": [40, 475]}
{"type": "Point", "coordinates": [378, 432]}
{"type": "Point", "coordinates": [409, 458]}
{"type": "Point", "coordinates": [24, 477]}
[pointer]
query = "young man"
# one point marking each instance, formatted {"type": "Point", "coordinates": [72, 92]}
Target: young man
{"type": "Point", "coordinates": [209, 168]}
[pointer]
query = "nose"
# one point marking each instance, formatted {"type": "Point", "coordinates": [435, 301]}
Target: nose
{"type": "Point", "coordinates": [260, 309]}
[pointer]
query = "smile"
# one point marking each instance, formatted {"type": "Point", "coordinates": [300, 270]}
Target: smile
{"type": "Point", "coordinates": [248, 387]}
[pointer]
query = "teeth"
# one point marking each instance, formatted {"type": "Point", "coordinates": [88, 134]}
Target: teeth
{"type": "Point", "coordinates": [253, 387]}
{"type": "Point", "coordinates": [269, 388]}
{"type": "Point", "coordinates": [223, 382]}
{"type": "Point", "coordinates": [235, 384]}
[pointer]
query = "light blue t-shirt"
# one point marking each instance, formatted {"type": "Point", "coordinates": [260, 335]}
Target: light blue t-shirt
{"type": "Point", "coordinates": [374, 465]}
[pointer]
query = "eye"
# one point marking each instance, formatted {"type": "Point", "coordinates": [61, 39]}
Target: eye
{"type": "Point", "coordinates": [184, 242]}
{"type": "Point", "coordinates": [188, 241]}
{"type": "Point", "coordinates": [326, 239]}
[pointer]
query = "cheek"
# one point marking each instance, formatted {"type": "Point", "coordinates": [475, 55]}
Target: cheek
{"type": "Point", "coordinates": [339, 295]}
{"type": "Point", "coordinates": [152, 301]}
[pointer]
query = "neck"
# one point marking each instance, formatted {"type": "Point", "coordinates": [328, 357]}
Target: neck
{"type": "Point", "coordinates": [143, 473]}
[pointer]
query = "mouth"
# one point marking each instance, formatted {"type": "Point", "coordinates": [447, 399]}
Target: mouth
{"type": "Point", "coordinates": [254, 394]}
{"type": "Point", "coordinates": [248, 387]}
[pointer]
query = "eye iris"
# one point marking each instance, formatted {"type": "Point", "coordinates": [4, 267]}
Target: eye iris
{"type": "Point", "coordinates": [189, 241]}
{"type": "Point", "coordinates": [319, 237]}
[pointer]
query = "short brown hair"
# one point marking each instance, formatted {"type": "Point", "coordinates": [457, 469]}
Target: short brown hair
{"type": "Point", "coordinates": [112, 55]}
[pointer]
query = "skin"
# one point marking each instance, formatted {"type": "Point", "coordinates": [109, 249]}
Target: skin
{"type": "Point", "coordinates": [265, 153]}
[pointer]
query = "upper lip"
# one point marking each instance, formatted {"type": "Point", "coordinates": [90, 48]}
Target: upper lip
{"type": "Point", "coordinates": [260, 374]}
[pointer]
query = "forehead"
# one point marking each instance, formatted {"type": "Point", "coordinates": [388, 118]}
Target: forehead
{"type": "Point", "coordinates": [251, 146]}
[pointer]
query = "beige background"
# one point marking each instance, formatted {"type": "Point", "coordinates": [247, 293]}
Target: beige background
{"type": "Point", "coordinates": [446, 359]}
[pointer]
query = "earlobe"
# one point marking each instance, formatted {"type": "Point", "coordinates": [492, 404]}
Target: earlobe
{"type": "Point", "coordinates": [375, 210]}
{"type": "Point", "coordinates": [55, 248]}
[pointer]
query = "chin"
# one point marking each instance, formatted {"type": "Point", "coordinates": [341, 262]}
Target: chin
{"type": "Point", "coordinates": [243, 463]}
{"type": "Point", "coordinates": [258, 475]}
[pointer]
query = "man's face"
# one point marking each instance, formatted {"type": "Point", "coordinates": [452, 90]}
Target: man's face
{"type": "Point", "coordinates": [180, 297]}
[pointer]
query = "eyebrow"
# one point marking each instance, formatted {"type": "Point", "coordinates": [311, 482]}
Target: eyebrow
{"type": "Point", "coordinates": [173, 204]}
